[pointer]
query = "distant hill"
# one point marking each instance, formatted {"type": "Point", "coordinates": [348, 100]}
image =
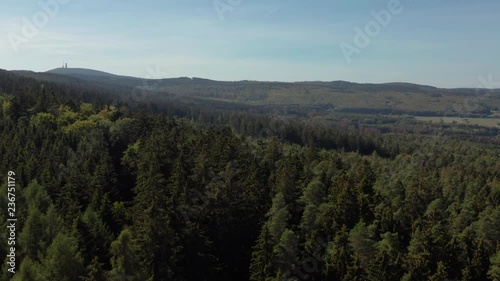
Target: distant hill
{"type": "Point", "coordinates": [334, 96]}
{"type": "Point", "coordinates": [96, 75]}
{"type": "Point", "coordinates": [80, 72]}
{"type": "Point", "coordinates": [84, 73]}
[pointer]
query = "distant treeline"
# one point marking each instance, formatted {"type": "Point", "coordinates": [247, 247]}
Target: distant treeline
{"type": "Point", "coordinates": [483, 112]}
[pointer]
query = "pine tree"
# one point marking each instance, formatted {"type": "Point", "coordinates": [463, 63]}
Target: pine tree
{"type": "Point", "coordinates": [152, 215]}
{"type": "Point", "coordinates": [32, 236]}
{"type": "Point", "coordinates": [261, 266]}
{"type": "Point", "coordinates": [63, 260]}
{"type": "Point", "coordinates": [385, 264]}
{"type": "Point", "coordinates": [37, 197]}
{"type": "Point", "coordinates": [494, 271]}
{"type": "Point", "coordinates": [286, 255]}
{"type": "Point", "coordinates": [95, 271]}
{"type": "Point", "coordinates": [338, 256]}
{"type": "Point", "coordinates": [478, 264]}
{"type": "Point", "coordinates": [29, 271]}
{"type": "Point", "coordinates": [94, 233]}
{"type": "Point", "coordinates": [278, 217]}
{"type": "Point", "coordinates": [418, 259]}
{"type": "Point", "coordinates": [355, 272]}
{"type": "Point", "coordinates": [124, 261]}
{"type": "Point", "coordinates": [361, 245]}
{"type": "Point", "coordinates": [440, 274]}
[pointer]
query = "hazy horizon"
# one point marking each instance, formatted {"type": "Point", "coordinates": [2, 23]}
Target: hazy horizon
{"type": "Point", "coordinates": [450, 44]}
{"type": "Point", "coordinates": [265, 81]}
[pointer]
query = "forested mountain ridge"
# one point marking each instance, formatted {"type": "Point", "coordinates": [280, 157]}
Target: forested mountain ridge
{"type": "Point", "coordinates": [388, 98]}
{"type": "Point", "coordinates": [114, 188]}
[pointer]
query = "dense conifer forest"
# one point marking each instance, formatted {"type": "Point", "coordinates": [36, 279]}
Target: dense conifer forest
{"type": "Point", "coordinates": [179, 190]}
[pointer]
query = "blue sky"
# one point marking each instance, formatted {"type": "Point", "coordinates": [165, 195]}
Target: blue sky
{"type": "Point", "coordinates": [446, 43]}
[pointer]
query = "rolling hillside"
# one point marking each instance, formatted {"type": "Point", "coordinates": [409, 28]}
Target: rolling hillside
{"type": "Point", "coordinates": [339, 96]}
